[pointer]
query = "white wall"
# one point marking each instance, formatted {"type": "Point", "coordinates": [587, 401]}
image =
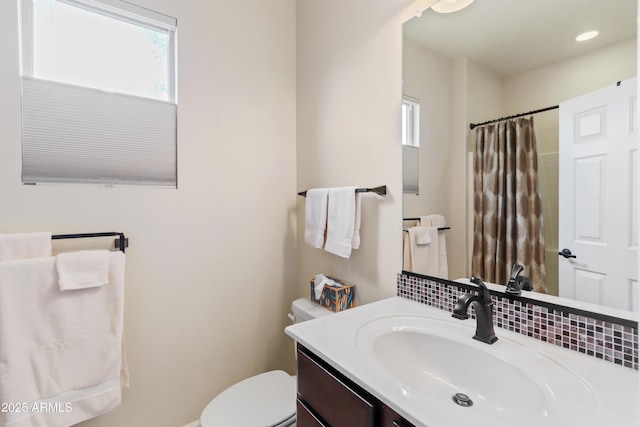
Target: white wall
{"type": "Point", "coordinates": [426, 77]}
{"type": "Point", "coordinates": [211, 268]}
{"type": "Point", "coordinates": [348, 105]}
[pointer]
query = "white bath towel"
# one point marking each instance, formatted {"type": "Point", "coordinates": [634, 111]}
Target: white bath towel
{"type": "Point", "coordinates": [315, 215]}
{"type": "Point", "coordinates": [439, 221]}
{"type": "Point", "coordinates": [25, 245]}
{"type": "Point", "coordinates": [422, 258]}
{"type": "Point", "coordinates": [425, 221]}
{"type": "Point", "coordinates": [406, 251]}
{"type": "Point", "coordinates": [82, 269]}
{"type": "Point", "coordinates": [60, 350]}
{"type": "Point", "coordinates": [341, 214]}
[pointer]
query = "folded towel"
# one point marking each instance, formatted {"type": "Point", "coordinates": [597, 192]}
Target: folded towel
{"type": "Point", "coordinates": [59, 348]}
{"type": "Point", "coordinates": [25, 245]}
{"type": "Point", "coordinates": [438, 221]}
{"type": "Point", "coordinates": [341, 214]}
{"type": "Point", "coordinates": [422, 235]}
{"type": "Point", "coordinates": [315, 216]}
{"type": "Point", "coordinates": [425, 221]}
{"type": "Point", "coordinates": [82, 269]}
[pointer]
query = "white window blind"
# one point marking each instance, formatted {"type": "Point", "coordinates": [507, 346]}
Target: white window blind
{"type": "Point", "coordinates": [81, 135]}
{"type": "Point", "coordinates": [98, 93]}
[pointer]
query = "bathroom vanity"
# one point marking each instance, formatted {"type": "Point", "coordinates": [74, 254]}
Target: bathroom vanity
{"type": "Point", "coordinates": [399, 363]}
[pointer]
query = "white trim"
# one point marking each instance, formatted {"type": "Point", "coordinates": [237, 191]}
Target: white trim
{"type": "Point", "coordinates": [128, 10]}
{"type": "Point", "coordinates": [193, 424]}
{"type": "Point", "coordinates": [26, 39]}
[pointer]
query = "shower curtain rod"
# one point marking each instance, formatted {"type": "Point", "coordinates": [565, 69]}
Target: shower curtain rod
{"type": "Point", "coordinates": [473, 125]}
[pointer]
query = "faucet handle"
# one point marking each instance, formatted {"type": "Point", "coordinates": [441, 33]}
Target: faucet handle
{"type": "Point", "coordinates": [514, 286]}
{"type": "Point", "coordinates": [483, 293]}
{"type": "Point", "coordinates": [516, 270]}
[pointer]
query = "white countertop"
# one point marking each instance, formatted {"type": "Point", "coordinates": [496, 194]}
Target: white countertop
{"type": "Point", "coordinates": [333, 338]}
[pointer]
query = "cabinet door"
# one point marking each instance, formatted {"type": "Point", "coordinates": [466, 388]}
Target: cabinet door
{"type": "Point", "coordinates": [304, 417]}
{"type": "Point", "coordinates": [390, 418]}
{"type": "Point", "coordinates": [332, 399]}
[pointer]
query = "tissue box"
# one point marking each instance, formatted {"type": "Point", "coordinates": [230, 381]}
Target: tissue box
{"type": "Point", "coordinates": [338, 298]}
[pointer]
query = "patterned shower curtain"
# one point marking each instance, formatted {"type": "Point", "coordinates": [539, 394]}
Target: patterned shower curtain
{"type": "Point", "coordinates": [508, 226]}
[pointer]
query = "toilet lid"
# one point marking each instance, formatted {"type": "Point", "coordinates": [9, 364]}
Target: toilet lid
{"type": "Point", "coordinates": [265, 400]}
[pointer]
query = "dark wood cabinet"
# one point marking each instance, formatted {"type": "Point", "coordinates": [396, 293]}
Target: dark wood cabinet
{"type": "Point", "coordinates": [390, 418]}
{"type": "Point", "coordinates": [327, 398]}
{"type": "Point", "coordinates": [305, 418]}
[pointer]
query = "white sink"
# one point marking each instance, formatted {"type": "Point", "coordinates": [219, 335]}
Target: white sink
{"type": "Point", "coordinates": [437, 359]}
{"type": "Point", "coordinates": [414, 358]}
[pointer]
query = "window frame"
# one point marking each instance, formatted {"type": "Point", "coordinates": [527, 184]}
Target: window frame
{"type": "Point", "coordinates": [115, 9]}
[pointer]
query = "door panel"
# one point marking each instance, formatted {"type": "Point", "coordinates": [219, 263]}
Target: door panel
{"type": "Point", "coordinates": [598, 196]}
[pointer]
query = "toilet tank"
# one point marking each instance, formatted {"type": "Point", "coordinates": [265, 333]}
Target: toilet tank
{"type": "Point", "coordinates": [303, 309]}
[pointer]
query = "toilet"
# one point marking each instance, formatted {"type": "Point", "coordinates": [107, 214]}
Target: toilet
{"type": "Point", "coordinates": [264, 400]}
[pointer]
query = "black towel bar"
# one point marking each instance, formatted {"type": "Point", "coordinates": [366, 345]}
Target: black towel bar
{"type": "Point", "coordinates": [439, 229]}
{"type": "Point", "coordinates": [418, 219]}
{"type": "Point", "coordinates": [380, 191]}
{"type": "Point", "coordinates": [121, 243]}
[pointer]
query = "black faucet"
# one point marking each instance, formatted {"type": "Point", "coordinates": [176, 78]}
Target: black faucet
{"type": "Point", "coordinates": [483, 307]}
{"type": "Point", "coordinates": [517, 283]}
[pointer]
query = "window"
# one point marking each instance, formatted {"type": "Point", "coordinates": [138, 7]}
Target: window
{"type": "Point", "coordinates": [410, 121]}
{"type": "Point", "coordinates": [99, 101]}
{"type": "Point", "coordinates": [410, 144]}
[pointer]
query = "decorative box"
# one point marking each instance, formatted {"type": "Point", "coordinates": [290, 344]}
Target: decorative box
{"type": "Point", "coordinates": [336, 298]}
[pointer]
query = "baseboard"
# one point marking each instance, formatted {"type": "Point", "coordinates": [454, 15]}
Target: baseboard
{"type": "Point", "coordinates": [193, 424]}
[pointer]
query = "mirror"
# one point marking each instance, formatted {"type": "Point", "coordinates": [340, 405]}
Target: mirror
{"type": "Point", "coordinates": [495, 59]}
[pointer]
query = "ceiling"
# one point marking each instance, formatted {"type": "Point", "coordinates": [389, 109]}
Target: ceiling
{"type": "Point", "coordinates": [513, 36]}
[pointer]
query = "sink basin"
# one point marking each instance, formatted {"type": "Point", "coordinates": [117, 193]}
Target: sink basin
{"type": "Point", "coordinates": [435, 359]}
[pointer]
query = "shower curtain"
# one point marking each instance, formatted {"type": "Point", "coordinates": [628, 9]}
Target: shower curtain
{"type": "Point", "coordinates": [508, 226]}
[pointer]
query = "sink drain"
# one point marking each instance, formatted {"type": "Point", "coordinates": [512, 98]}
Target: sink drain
{"type": "Point", "coordinates": [462, 399]}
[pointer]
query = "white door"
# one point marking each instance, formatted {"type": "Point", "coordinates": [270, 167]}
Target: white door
{"type": "Point", "coordinates": [598, 202]}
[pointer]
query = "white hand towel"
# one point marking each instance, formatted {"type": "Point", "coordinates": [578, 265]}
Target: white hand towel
{"type": "Point", "coordinates": [341, 213]}
{"type": "Point", "coordinates": [25, 245]}
{"type": "Point", "coordinates": [422, 235]}
{"type": "Point", "coordinates": [82, 269]}
{"type": "Point", "coordinates": [315, 216]}
{"type": "Point", "coordinates": [355, 242]}
{"type": "Point", "coordinates": [59, 348]}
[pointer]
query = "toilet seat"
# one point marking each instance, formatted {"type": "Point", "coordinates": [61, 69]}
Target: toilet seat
{"type": "Point", "coordinates": [265, 400]}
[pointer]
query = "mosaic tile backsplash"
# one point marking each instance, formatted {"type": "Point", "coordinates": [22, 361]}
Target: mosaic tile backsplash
{"type": "Point", "coordinates": [607, 340]}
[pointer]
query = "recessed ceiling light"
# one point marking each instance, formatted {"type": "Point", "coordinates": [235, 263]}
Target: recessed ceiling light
{"type": "Point", "coordinates": [448, 6]}
{"type": "Point", "coordinates": [586, 36]}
